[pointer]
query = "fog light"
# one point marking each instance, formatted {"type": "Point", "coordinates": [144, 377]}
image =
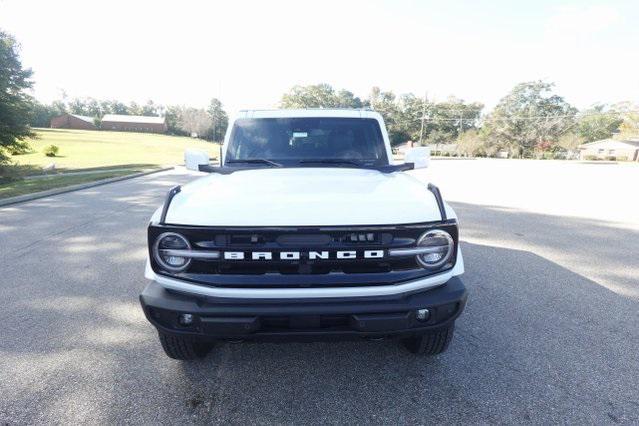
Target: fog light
{"type": "Point", "coordinates": [185, 319]}
{"type": "Point", "coordinates": [422, 314]}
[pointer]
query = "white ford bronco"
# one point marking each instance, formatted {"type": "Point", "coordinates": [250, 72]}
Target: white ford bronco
{"type": "Point", "coordinates": [306, 230]}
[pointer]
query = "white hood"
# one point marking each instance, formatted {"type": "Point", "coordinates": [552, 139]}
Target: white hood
{"type": "Point", "coordinates": [303, 197]}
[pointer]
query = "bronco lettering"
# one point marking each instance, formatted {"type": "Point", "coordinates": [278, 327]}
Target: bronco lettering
{"type": "Point", "coordinates": [297, 255]}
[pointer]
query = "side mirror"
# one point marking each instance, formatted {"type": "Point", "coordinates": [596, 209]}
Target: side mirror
{"type": "Point", "coordinates": [419, 156]}
{"type": "Point", "coordinates": [194, 158]}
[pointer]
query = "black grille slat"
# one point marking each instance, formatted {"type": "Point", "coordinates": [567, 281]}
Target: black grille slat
{"type": "Point", "coordinates": [320, 268]}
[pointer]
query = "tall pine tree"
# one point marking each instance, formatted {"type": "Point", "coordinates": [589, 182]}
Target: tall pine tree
{"type": "Point", "coordinates": [15, 102]}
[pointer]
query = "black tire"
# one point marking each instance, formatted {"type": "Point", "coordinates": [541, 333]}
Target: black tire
{"type": "Point", "coordinates": [431, 343]}
{"type": "Point", "coordinates": [182, 348]}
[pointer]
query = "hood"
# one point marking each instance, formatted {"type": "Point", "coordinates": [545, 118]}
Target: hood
{"type": "Point", "coordinates": [310, 196]}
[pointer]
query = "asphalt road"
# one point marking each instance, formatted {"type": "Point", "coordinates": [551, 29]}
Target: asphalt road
{"type": "Point", "coordinates": [550, 333]}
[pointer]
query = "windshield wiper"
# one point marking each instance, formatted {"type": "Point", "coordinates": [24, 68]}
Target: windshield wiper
{"type": "Point", "coordinates": [254, 161]}
{"type": "Point", "coordinates": [333, 161]}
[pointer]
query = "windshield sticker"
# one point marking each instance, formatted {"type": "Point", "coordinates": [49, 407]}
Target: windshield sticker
{"type": "Point", "coordinates": [300, 134]}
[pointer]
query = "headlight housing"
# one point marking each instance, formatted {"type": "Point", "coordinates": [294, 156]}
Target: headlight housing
{"type": "Point", "coordinates": [162, 251]}
{"type": "Point", "coordinates": [440, 245]}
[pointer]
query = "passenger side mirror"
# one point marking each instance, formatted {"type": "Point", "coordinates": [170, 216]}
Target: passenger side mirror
{"type": "Point", "coordinates": [419, 156]}
{"type": "Point", "coordinates": [193, 158]}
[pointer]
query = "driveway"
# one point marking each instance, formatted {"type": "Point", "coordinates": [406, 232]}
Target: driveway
{"type": "Point", "coordinates": [550, 333]}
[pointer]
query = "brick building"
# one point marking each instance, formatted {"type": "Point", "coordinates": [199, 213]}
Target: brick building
{"type": "Point", "coordinates": [73, 121]}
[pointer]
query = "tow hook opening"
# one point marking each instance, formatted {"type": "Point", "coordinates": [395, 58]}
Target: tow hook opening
{"type": "Point", "coordinates": [185, 319]}
{"type": "Point", "coordinates": [422, 314]}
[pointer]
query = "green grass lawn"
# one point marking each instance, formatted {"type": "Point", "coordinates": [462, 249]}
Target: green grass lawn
{"type": "Point", "coordinates": [27, 186]}
{"type": "Point", "coordinates": [94, 149]}
{"type": "Point", "coordinates": [106, 153]}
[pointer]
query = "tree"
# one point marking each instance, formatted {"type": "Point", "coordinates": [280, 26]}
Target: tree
{"type": "Point", "coordinates": [106, 107]}
{"type": "Point", "coordinates": [346, 99]}
{"type": "Point", "coordinates": [77, 106]}
{"type": "Point", "coordinates": [15, 103]}
{"type": "Point", "coordinates": [529, 116]}
{"type": "Point", "coordinates": [629, 128]}
{"type": "Point", "coordinates": [385, 103]}
{"type": "Point", "coordinates": [135, 109]}
{"type": "Point", "coordinates": [407, 118]}
{"type": "Point", "coordinates": [194, 121]}
{"type": "Point", "coordinates": [118, 107]}
{"type": "Point", "coordinates": [470, 143]}
{"type": "Point", "coordinates": [93, 108]}
{"type": "Point", "coordinates": [570, 141]}
{"type": "Point", "coordinates": [436, 138]}
{"type": "Point", "coordinates": [319, 96]}
{"type": "Point", "coordinates": [219, 120]}
{"type": "Point", "coordinates": [442, 123]}
{"type": "Point", "coordinates": [172, 115]}
{"type": "Point", "coordinates": [312, 96]}
{"type": "Point", "coordinates": [150, 109]}
{"type": "Point", "coordinates": [596, 124]}
{"type": "Point", "coordinates": [452, 118]}
{"type": "Point", "coordinates": [41, 114]}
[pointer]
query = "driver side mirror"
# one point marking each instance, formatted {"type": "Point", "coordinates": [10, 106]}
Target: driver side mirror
{"type": "Point", "coordinates": [194, 158]}
{"type": "Point", "coordinates": [419, 156]}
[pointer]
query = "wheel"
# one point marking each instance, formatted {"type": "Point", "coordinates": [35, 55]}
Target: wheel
{"type": "Point", "coordinates": [182, 348]}
{"type": "Point", "coordinates": [431, 343]}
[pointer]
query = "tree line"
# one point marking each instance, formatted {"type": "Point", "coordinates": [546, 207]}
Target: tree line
{"type": "Point", "coordinates": [209, 123]}
{"type": "Point", "coordinates": [530, 121]}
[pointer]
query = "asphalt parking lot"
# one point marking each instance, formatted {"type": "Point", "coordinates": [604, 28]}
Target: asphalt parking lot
{"type": "Point", "coordinates": [550, 333]}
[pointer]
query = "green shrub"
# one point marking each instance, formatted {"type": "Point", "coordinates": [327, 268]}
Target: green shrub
{"type": "Point", "coordinates": [19, 148]}
{"type": "Point", "coordinates": [51, 150]}
{"type": "Point", "coordinates": [591, 157]}
{"type": "Point", "coordinates": [622, 158]}
{"type": "Point", "coordinates": [611, 158]}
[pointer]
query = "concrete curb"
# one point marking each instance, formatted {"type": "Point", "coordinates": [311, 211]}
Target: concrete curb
{"type": "Point", "coordinates": [63, 190]}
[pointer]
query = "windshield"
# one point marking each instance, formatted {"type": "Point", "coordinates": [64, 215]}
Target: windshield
{"type": "Point", "coordinates": [305, 140]}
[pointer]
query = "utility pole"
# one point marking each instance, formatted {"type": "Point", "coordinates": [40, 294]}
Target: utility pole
{"type": "Point", "coordinates": [421, 131]}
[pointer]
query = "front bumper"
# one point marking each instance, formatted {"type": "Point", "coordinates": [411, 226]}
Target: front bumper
{"type": "Point", "coordinates": [251, 319]}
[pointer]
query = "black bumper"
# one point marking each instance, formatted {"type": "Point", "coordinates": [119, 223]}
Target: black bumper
{"type": "Point", "coordinates": [287, 319]}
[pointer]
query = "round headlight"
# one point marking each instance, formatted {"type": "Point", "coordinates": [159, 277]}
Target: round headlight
{"type": "Point", "coordinates": [163, 249]}
{"type": "Point", "coordinates": [439, 245]}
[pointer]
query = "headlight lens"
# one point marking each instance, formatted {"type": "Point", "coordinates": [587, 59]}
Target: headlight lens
{"type": "Point", "coordinates": [162, 247]}
{"type": "Point", "coordinates": [441, 247]}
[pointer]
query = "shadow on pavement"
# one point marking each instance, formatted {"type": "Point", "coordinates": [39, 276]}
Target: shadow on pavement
{"type": "Point", "coordinates": [546, 349]}
{"type": "Point", "coordinates": [538, 343]}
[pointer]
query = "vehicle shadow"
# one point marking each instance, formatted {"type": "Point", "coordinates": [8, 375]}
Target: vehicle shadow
{"type": "Point", "coordinates": [534, 345]}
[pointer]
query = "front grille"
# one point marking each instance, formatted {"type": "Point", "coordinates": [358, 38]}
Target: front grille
{"type": "Point", "coordinates": [303, 267]}
{"type": "Point", "coordinates": [306, 269]}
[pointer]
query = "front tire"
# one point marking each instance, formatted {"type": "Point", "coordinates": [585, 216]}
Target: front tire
{"type": "Point", "coordinates": [430, 343]}
{"type": "Point", "coordinates": [182, 348]}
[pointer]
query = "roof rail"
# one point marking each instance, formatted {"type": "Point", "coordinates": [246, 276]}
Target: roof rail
{"type": "Point", "coordinates": [313, 109]}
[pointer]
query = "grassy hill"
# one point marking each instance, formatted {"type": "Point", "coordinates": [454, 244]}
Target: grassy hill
{"type": "Point", "coordinates": [96, 155]}
{"type": "Point", "coordinates": [90, 149]}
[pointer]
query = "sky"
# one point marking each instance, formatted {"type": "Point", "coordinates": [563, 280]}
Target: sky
{"type": "Point", "coordinates": [247, 53]}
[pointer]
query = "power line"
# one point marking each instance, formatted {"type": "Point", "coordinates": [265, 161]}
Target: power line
{"type": "Point", "coordinates": [529, 117]}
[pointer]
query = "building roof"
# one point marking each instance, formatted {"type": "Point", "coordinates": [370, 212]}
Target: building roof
{"type": "Point", "coordinates": [142, 119]}
{"type": "Point", "coordinates": [84, 118]}
{"type": "Point", "coordinates": [609, 142]}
